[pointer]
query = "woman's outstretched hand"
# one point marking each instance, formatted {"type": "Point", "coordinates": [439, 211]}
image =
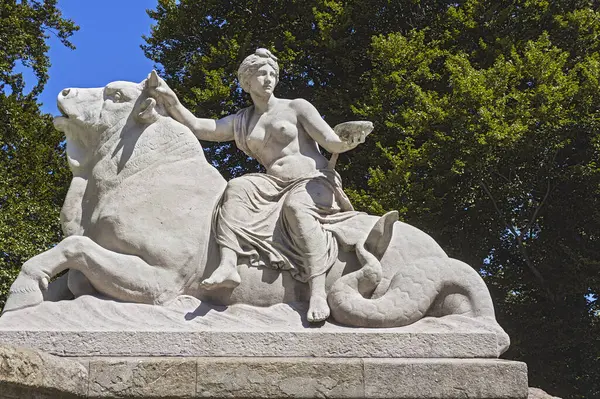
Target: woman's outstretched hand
{"type": "Point", "coordinates": [160, 90]}
{"type": "Point", "coordinates": [354, 132]}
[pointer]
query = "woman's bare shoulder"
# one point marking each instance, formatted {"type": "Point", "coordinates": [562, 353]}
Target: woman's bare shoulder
{"type": "Point", "coordinates": [302, 106]}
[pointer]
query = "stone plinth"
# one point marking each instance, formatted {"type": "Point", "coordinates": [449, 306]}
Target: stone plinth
{"type": "Point", "coordinates": [139, 351]}
{"type": "Point", "coordinates": [209, 377]}
{"type": "Point", "coordinates": [89, 326]}
{"type": "Point", "coordinates": [377, 344]}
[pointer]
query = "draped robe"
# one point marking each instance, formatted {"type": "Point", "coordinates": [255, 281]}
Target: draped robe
{"type": "Point", "coordinates": [257, 216]}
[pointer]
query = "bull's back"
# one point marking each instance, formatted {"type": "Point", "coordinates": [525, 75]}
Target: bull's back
{"type": "Point", "coordinates": [156, 204]}
{"type": "Point", "coordinates": [162, 214]}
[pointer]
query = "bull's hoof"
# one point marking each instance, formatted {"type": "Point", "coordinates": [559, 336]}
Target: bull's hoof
{"type": "Point", "coordinates": [25, 292]}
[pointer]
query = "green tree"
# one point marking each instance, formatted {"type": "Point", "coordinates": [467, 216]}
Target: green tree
{"type": "Point", "coordinates": [33, 173]}
{"type": "Point", "coordinates": [498, 159]}
{"type": "Point", "coordinates": [486, 136]}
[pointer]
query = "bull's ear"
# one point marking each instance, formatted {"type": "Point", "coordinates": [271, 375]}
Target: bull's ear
{"type": "Point", "coordinates": [148, 112]}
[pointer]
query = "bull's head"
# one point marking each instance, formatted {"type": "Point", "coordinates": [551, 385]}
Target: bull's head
{"type": "Point", "coordinates": [86, 114]}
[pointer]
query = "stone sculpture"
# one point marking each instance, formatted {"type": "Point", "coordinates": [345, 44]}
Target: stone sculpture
{"type": "Point", "coordinates": [282, 218]}
{"type": "Point", "coordinates": [142, 197]}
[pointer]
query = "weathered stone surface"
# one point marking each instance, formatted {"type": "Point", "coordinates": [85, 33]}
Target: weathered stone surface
{"type": "Point", "coordinates": [260, 344]}
{"type": "Point", "coordinates": [22, 392]}
{"type": "Point", "coordinates": [280, 378]}
{"type": "Point", "coordinates": [142, 378]}
{"type": "Point", "coordinates": [89, 326]}
{"type": "Point", "coordinates": [536, 393]}
{"type": "Point", "coordinates": [29, 374]}
{"type": "Point", "coordinates": [444, 378]}
{"type": "Point", "coordinates": [25, 373]}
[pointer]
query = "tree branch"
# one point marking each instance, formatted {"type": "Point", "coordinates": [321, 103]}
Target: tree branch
{"type": "Point", "coordinates": [521, 244]}
{"type": "Point", "coordinates": [507, 179]}
{"type": "Point", "coordinates": [537, 210]}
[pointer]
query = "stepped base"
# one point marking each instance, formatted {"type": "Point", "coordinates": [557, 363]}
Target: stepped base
{"type": "Point", "coordinates": [119, 350]}
{"type": "Point", "coordinates": [204, 377]}
{"type": "Point", "coordinates": [89, 326]}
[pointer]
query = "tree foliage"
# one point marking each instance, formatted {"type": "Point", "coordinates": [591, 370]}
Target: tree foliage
{"type": "Point", "coordinates": [33, 173]}
{"type": "Point", "coordinates": [487, 136]}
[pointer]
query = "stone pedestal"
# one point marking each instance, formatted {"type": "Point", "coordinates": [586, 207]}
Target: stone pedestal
{"type": "Point", "coordinates": [243, 352]}
{"type": "Point", "coordinates": [264, 377]}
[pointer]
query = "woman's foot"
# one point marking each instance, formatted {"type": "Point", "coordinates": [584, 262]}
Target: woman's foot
{"type": "Point", "coordinates": [225, 276]}
{"type": "Point", "coordinates": [318, 309]}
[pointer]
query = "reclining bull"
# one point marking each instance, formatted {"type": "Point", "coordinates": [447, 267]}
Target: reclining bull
{"type": "Point", "coordinates": [136, 223]}
{"type": "Point", "coordinates": [136, 210]}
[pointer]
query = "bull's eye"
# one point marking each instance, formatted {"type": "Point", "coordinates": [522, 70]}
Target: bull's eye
{"type": "Point", "coordinates": [115, 95]}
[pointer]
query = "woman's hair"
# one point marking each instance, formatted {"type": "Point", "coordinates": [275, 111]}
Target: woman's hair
{"type": "Point", "coordinates": [251, 64]}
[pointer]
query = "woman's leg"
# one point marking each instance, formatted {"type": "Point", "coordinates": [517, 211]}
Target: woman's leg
{"type": "Point", "coordinates": [310, 239]}
{"type": "Point", "coordinates": [226, 274]}
{"type": "Point", "coordinates": [232, 209]}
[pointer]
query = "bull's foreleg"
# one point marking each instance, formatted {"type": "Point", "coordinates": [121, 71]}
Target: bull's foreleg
{"type": "Point", "coordinates": [123, 277]}
{"type": "Point", "coordinates": [79, 284]}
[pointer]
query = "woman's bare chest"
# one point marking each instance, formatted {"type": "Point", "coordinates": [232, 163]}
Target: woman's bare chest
{"type": "Point", "coordinates": [276, 130]}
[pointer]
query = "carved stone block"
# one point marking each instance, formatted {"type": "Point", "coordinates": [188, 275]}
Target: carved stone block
{"type": "Point", "coordinates": [142, 378]}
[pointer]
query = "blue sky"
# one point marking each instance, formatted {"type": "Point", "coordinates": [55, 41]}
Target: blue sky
{"type": "Point", "coordinates": [107, 47]}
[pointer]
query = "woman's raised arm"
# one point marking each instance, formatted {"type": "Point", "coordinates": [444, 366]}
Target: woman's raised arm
{"type": "Point", "coordinates": [204, 129]}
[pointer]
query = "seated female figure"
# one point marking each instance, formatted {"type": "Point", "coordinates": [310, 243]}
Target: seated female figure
{"type": "Point", "coordinates": [276, 219]}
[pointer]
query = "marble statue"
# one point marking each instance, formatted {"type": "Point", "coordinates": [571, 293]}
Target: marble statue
{"type": "Point", "coordinates": [138, 215]}
{"type": "Point", "coordinates": [277, 218]}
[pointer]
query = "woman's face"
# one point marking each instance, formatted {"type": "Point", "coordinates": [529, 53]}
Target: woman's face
{"type": "Point", "coordinates": [263, 81]}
